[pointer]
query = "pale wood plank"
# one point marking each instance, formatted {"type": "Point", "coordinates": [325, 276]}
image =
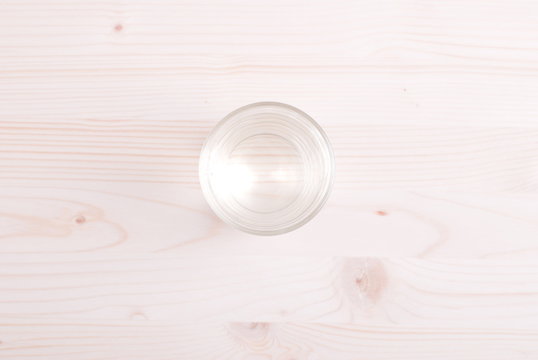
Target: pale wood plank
{"type": "Point", "coordinates": [367, 157]}
{"type": "Point", "coordinates": [384, 62]}
{"type": "Point", "coordinates": [151, 340]}
{"type": "Point", "coordinates": [141, 218]}
{"type": "Point", "coordinates": [457, 294]}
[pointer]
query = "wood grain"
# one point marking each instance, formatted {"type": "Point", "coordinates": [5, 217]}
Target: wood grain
{"type": "Point", "coordinates": [141, 339]}
{"type": "Point", "coordinates": [385, 292]}
{"type": "Point", "coordinates": [164, 307]}
{"type": "Point", "coordinates": [426, 249]}
{"type": "Point", "coordinates": [136, 218]}
{"type": "Point", "coordinates": [367, 157]}
{"type": "Point", "coordinates": [360, 62]}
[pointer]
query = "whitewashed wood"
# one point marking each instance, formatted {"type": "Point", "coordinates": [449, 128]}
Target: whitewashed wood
{"type": "Point", "coordinates": [95, 105]}
{"type": "Point", "coordinates": [383, 292]}
{"type": "Point", "coordinates": [151, 340]}
{"type": "Point", "coordinates": [410, 157]}
{"type": "Point", "coordinates": [143, 218]}
{"type": "Point", "coordinates": [431, 109]}
{"type": "Point", "coordinates": [396, 62]}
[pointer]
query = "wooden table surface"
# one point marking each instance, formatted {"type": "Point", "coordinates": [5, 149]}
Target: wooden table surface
{"type": "Point", "coordinates": [427, 248]}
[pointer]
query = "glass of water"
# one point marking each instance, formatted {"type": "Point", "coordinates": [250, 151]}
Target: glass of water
{"type": "Point", "coordinates": [266, 168]}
